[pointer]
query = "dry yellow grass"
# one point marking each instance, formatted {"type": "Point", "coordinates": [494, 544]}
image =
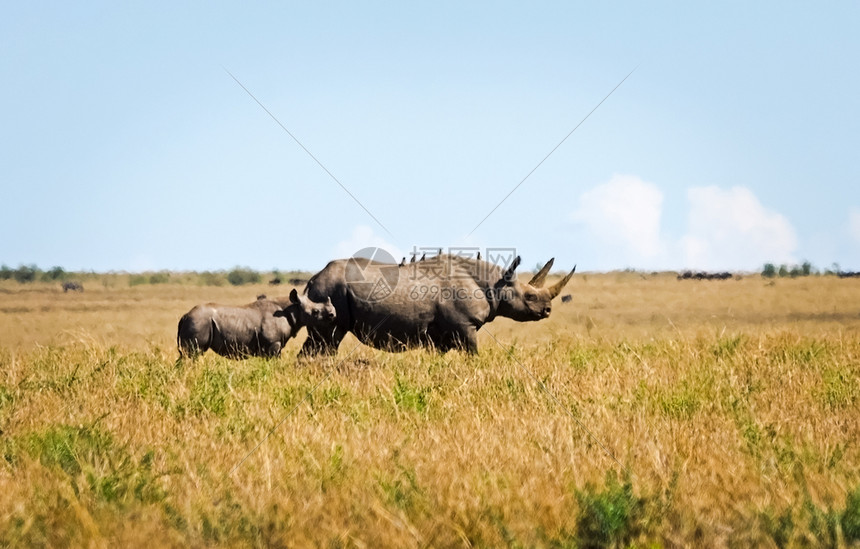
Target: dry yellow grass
{"type": "Point", "coordinates": [731, 406]}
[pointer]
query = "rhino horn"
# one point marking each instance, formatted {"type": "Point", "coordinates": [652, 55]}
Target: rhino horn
{"type": "Point", "coordinates": [539, 278]}
{"type": "Point", "coordinates": [510, 274]}
{"type": "Point", "coordinates": [556, 288]}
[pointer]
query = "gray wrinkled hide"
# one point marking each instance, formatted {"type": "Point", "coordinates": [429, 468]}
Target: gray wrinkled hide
{"type": "Point", "coordinates": [441, 302]}
{"type": "Point", "coordinates": [261, 328]}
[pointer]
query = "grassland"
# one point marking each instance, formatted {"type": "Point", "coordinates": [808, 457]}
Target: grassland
{"type": "Point", "coordinates": [649, 412]}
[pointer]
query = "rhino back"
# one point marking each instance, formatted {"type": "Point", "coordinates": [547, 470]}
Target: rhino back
{"type": "Point", "coordinates": [239, 323]}
{"type": "Point", "coordinates": [427, 300]}
{"type": "Point", "coordinates": [273, 328]}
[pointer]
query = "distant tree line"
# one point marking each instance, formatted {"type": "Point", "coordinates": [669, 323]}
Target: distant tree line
{"type": "Point", "coordinates": [237, 276]}
{"type": "Point", "coordinates": [806, 268]}
{"type": "Point", "coordinates": [32, 273]}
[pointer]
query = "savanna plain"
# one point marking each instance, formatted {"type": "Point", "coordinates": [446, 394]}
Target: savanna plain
{"type": "Point", "coordinates": [647, 411]}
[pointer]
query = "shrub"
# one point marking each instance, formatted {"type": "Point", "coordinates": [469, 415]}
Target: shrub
{"type": "Point", "coordinates": [208, 278]}
{"type": "Point", "coordinates": [25, 273]}
{"type": "Point", "coordinates": [804, 269]}
{"type": "Point", "coordinates": [243, 275]}
{"type": "Point", "coordinates": [54, 273]}
{"type": "Point", "coordinates": [160, 277]}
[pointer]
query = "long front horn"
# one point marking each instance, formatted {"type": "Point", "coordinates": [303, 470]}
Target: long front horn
{"type": "Point", "coordinates": [539, 277]}
{"type": "Point", "coordinates": [510, 274]}
{"type": "Point", "coordinates": [556, 288]}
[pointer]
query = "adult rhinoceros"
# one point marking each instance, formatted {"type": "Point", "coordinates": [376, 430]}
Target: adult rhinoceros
{"type": "Point", "coordinates": [261, 328]}
{"type": "Point", "coordinates": [440, 302]}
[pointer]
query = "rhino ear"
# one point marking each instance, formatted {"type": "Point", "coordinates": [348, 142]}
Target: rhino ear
{"type": "Point", "coordinates": [294, 297]}
{"type": "Point", "coordinates": [511, 274]}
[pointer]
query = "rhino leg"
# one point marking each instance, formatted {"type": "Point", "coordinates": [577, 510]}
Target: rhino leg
{"type": "Point", "coordinates": [188, 349]}
{"type": "Point", "coordinates": [275, 334]}
{"type": "Point", "coordinates": [217, 342]}
{"type": "Point", "coordinates": [464, 338]}
{"type": "Point", "coordinates": [273, 350]}
{"type": "Point", "coordinates": [471, 341]}
{"type": "Point", "coordinates": [322, 342]}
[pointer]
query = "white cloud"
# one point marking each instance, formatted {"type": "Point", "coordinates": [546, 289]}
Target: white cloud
{"type": "Point", "coordinates": [731, 229]}
{"type": "Point", "coordinates": [363, 237]}
{"type": "Point", "coordinates": [726, 228]}
{"type": "Point", "coordinates": [854, 223]}
{"type": "Point", "coordinates": [624, 213]}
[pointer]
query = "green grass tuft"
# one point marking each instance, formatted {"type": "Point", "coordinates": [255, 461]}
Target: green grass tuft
{"type": "Point", "coordinates": [611, 517]}
{"type": "Point", "coordinates": [407, 396]}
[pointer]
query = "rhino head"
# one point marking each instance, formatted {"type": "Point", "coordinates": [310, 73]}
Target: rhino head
{"type": "Point", "coordinates": [531, 301]}
{"type": "Point", "coordinates": [311, 313]}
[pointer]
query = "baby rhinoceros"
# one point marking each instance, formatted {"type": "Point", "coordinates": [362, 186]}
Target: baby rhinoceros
{"type": "Point", "coordinates": [261, 328]}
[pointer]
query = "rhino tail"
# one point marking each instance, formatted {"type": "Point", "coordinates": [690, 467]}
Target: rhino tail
{"type": "Point", "coordinates": [183, 323]}
{"type": "Point", "coordinates": [188, 340]}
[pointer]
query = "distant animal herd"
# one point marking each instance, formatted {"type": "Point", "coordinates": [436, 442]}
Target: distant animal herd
{"type": "Point", "coordinates": [690, 275]}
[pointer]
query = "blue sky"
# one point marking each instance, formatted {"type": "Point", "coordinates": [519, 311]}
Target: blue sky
{"type": "Point", "coordinates": [126, 145]}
